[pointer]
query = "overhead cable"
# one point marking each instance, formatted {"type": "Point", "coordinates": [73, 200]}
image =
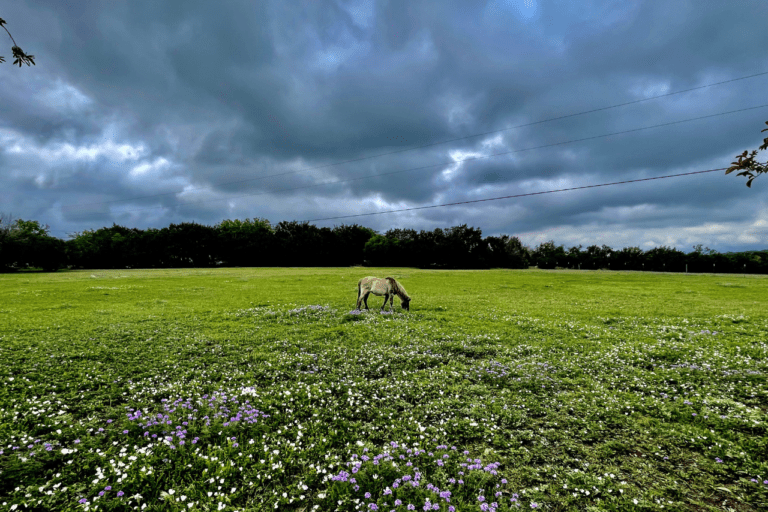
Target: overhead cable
{"type": "Point", "coordinates": [513, 196]}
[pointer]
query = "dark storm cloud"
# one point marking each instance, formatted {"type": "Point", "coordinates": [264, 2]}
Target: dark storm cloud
{"type": "Point", "coordinates": [146, 113]}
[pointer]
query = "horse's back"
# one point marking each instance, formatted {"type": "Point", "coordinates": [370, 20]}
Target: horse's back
{"type": "Point", "coordinates": [375, 285]}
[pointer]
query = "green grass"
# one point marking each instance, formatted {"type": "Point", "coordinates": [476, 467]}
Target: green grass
{"type": "Point", "coordinates": [221, 389]}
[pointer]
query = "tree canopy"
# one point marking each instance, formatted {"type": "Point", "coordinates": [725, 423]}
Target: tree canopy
{"type": "Point", "coordinates": [26, 244]}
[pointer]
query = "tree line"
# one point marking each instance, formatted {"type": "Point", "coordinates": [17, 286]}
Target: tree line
{"type": "Point", "coordinates": [256, 243]}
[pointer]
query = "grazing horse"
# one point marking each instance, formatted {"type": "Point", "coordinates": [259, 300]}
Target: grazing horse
{"type": "Point", "coordinates": [387, 287]}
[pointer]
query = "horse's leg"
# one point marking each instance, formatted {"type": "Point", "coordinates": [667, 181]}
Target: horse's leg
{"type": "Point", "coordinates": [391, 300]}
{"type": "Point", "coordinates": [386, 297]}
{"type": "Point", "coordinates": [365, 299]}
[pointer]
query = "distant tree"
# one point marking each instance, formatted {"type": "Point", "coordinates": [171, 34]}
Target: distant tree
{"type": "Point", "coordinates": [597, 257]}
{"type": "Point", "coordinates": [150, 250]}
{"type": "Point", "coordinates": [6, 221]}
{"type": "Point", "coordinates": [325, 248]}
{"type": "Point", "coordinates": [699, 249]}
{"type": "Point", "coordinates": [9, 245]}
{"type": "Point", "coordinates": [190, 244]}
{"type": "Point", "coordinates": [520, 255]}
{"type": "Point", "coordinates": [113, 247]}
{"type": "Point", "coordinates": [246, 243]}
{"type": "Point", "coordinates": [665, 259]}
{"type": "Point", "coordinates": [750, 262]}
{"type": "Point", "coordinates": [747, 164]}
{"type": "Point", "coordinates": [381, 251]}
{"type": "Point", "coordinates": [496, 254]}
{"type": "Point", "coordinates": [549, 255]}
{"type": "Point", "coordinates": [350, 244]}
{"type": "Point", "coordinates": [298, 244]}
{"type": "Point", "coordinates": [628, 258]}
{"type": "Point", "coordinates": [404, 251]}
{"type": "Point", "coordinates": [464, 247]}
{"type": "Point", "coordinates": [26, 243]}
{"type": "Point", "coordinates": [574, 257]}
{"type": "Point", "coordinates": [430, 249]}
{"type": "Point", "coordinates": [18, 53]}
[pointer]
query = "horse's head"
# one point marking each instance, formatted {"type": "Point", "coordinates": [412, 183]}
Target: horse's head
{"type": "Point", "coordinates": [406, 304]}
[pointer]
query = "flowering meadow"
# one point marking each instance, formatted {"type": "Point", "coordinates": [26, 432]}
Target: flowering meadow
{"type": "Point", "coordinates": [263, 389]}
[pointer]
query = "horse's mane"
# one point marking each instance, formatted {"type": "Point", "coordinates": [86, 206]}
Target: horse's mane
{"type": "Point", "coordinates": [397, 288]}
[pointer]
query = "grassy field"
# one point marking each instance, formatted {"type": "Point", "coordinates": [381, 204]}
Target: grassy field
{"type": "Point", "coordinates": [262, 389]}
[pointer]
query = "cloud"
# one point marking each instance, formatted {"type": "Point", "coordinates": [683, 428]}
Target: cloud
{"type": "Point", "coordinates": [163, 112]}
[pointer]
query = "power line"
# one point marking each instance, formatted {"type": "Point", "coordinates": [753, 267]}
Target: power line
{"type": "Point", "coordinates": [195, 203]}
{"type": "Point", "coordinates": [65, 207]}
{"type": "Point", "coordinates": [510, 197]}
{"type": "Point", "coordinates": [513, 196]}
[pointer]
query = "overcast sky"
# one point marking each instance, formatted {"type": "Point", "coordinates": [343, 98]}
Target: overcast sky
{"type": "Point", "coordinates": [147, 113]}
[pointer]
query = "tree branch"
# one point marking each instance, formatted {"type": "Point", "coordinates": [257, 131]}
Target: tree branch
{"type": "Point", "coordinates": [746, 163]}
{"type": "Point", "coordinates": [18, 53]}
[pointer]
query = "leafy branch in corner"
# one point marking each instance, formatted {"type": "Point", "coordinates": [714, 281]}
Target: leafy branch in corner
{"type": "Point", "coordinates": [18, 53]}
{"type": "Point", "coordinates": [748, 165]}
